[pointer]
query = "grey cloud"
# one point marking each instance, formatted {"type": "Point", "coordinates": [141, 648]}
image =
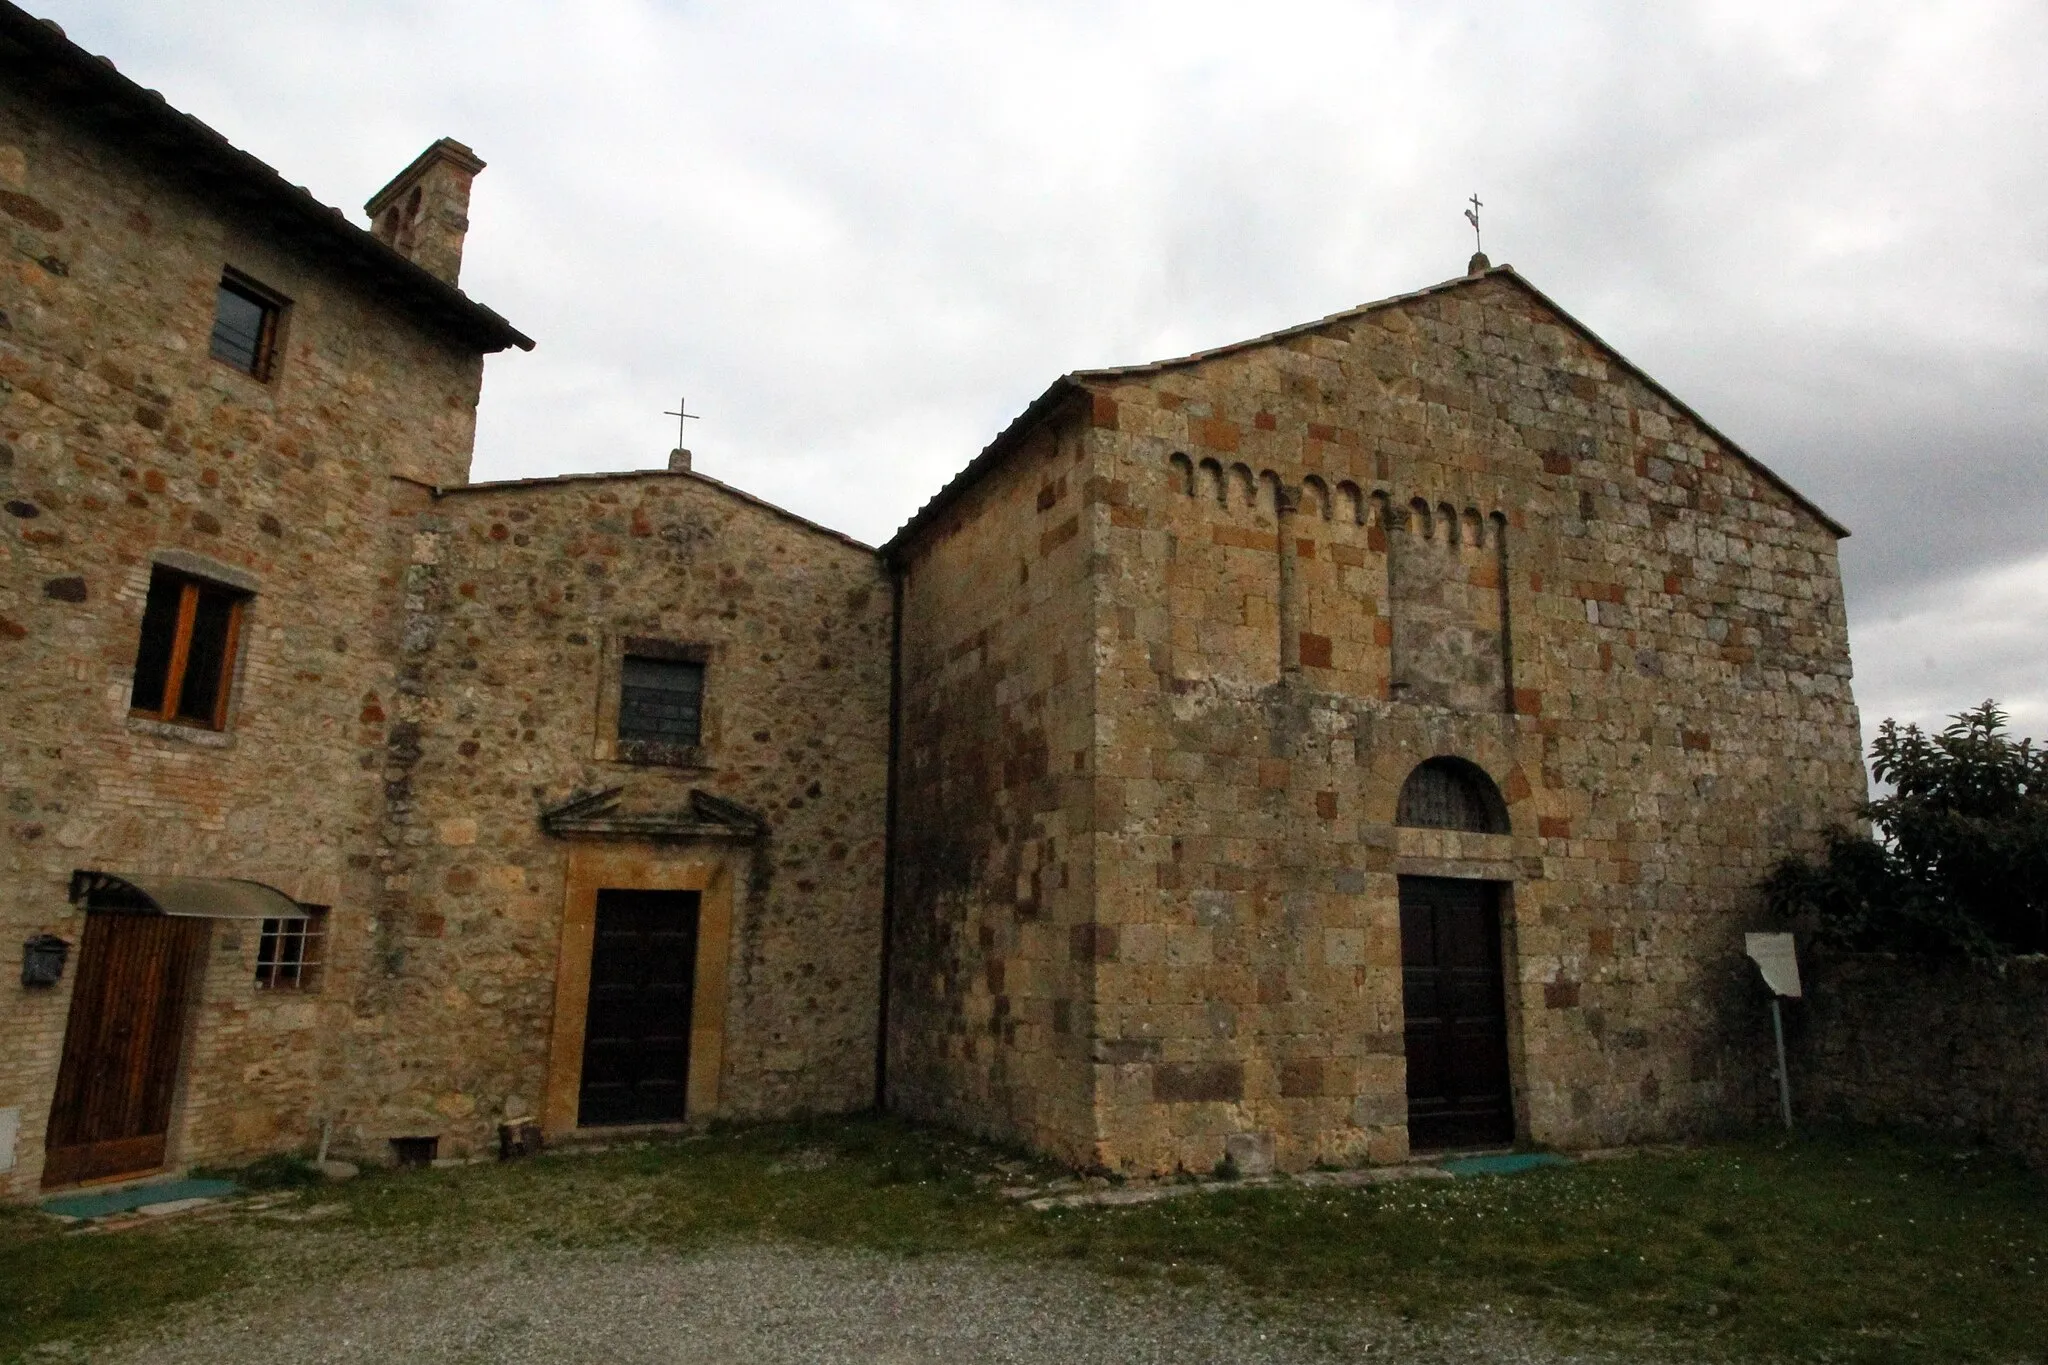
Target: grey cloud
{"type": "Point", "coordinates": [862, 237]}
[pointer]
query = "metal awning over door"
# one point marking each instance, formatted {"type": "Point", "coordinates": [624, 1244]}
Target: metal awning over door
{"type": "Point", "coordinates": [186, 897]}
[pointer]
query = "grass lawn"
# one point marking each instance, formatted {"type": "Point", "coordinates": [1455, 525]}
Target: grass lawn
{"type": "Point", "coordinates": [1847, 1247]}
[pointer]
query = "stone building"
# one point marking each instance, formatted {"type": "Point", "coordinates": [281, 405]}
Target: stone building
{"type": "Point", "coordinates": [1365, 736]}
{"type": "Point", "coordinates": [1359, 738]}
{"type": "Point", "coordinates": [370, 802]}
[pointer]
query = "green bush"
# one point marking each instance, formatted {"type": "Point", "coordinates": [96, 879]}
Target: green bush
{"type": "Point", "coordinates": [1959, 859]}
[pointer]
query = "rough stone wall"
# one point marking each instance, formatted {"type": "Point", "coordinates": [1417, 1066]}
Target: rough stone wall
{"type": "Point", "coordinates": [1681, 718]}
{"type": "Point", "coordinates": [120, 438]}
{"type": "Point", "coordinates": [994, 935]}
{"type": "Point", "coordinates": [519, 597]}
{"type": "Point", "coordinates": [1955, 1047]}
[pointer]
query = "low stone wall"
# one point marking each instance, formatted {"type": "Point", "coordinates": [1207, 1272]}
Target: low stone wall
{"type": "Point", "coordinates": [1950, 1046]}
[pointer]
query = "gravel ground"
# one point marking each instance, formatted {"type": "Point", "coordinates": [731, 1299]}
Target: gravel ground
{"type": "Point", "coordinates": [764, 1306]}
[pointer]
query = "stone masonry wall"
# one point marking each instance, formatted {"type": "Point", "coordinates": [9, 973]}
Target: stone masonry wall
{"type": "Point", "coordinates": [1681, 717]}
{"type": "Point", "coordinates": [994, 940]}
{"type": "Point", "coordinates": [1958, 1048]}
{"type": "Point", "coordinates": [121, 439]}
{"type": "Point", "coordinates": [519, 597]}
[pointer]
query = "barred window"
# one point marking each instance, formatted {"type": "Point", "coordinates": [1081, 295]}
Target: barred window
{"type": "Point", "coordinates": [661, 701]}
{"type": "Point", "coordinates": [289, 955]}
{"type": "Point", "coordinates": [1450, 793]}
{"type": "Point", "coordinates": [245, 317]}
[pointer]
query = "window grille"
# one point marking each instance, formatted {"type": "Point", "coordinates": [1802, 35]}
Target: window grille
{"type": "Point", "coordinates": [245, 320]}
{"type": "Point", "coordinates": [661, 701]}
{"type": "Point", "coordinates": [1449, 793]}
{"type": "Point", "coordinates": [290, 953]}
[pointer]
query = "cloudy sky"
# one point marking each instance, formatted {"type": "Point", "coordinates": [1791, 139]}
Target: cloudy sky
{"type": "Point", "coordinates": [861, 236]}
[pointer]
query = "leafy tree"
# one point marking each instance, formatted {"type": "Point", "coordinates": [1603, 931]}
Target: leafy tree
{"type": "Point", "coordinates": [1959, 863]}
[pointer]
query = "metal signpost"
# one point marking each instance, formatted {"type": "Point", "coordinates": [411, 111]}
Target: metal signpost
{"type": "Point", "coordinates": [1774, 957]}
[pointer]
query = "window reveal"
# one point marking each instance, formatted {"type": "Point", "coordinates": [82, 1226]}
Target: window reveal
{"type": "Point", "coordinates": [661, 701]}
{"type": "Point", "coordinates": [245, 326]}
{"type": "Point", "coordinates": [190, 629]}
{"type": "Point", "coordinates": [288, 955]}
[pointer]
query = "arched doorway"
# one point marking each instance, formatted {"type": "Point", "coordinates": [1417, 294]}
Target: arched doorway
{"type": "Point", "coordinates": [1453, 983]}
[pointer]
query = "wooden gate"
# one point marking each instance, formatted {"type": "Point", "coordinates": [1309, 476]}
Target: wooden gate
{"type": "Point", "coordinates": [636, 1037]}
{"type": "Point", "coordinates": [112, 1110]}
{"type": "Point", "coordinates": [1456, 1008]}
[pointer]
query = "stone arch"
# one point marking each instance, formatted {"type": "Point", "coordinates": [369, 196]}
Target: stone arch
{"type": "Point", "coordinates": [1447, 792]}
{"type": "Point", "coordinates": [1245, 483]}
{"type": "Point", "coordinates": [1447, 517]}
{"type": "Point", "coordinates": [1268, 485]}
{"type": "Point", "coordinates": [1212, 482]}
{"type": "Point", "coordinates": [1315, 497]}
{"type": "Point", "coordinates": [1183, 473]}
{"type": "Point", "coordinates": [1351, 503]}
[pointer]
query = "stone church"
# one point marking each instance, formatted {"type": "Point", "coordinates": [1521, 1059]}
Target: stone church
{"type": "Point", "coordinates": [1361, 739]}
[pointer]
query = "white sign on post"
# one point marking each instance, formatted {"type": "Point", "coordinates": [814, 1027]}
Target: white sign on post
{"type": "Point", "coordinates": [1773, 956]}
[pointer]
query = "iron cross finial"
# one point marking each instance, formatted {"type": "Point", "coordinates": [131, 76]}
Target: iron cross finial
{"type": "Point", "coordinates": [1472, 217]}
{"type": "Point", "coordinates": [682, 414]}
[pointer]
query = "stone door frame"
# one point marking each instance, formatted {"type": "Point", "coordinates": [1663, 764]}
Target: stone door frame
{"type": "Point", "coordinates": [639, 867]}
{"type": "Point", "coordinates": [1459, 856]}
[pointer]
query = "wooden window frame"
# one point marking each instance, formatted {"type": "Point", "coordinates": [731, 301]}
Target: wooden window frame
{"type": "Point", "coordinates": [189, 588]}
{"type": "Point", "coordinates": [273, 305]}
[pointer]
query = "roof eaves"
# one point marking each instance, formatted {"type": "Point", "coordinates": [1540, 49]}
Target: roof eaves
{"type": "Point", "coordinates": [36, 57]}
{"type": "Point", "coordinates": [556, 480]}
{"type": "Point", "coordinates": [991, 454]}
{"type": "Point", "coordinates": [1783, 485]}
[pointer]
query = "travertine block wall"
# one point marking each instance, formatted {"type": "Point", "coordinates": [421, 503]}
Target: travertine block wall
{"type": "Point", "coordinates": [122, 440]}
{"type": "Point", "coordinates": [995, 941]}
{"type": "Point", "coordinates": [1636, 632]}
{"type": "Point", "coordinates": [1958, 1048]}
{"type": "Point", "coordinates": [519, 597]}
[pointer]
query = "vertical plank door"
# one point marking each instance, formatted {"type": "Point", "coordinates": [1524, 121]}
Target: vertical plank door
{"type": "Point", "coordinates": [636, 1035]}
{"type": "Point", "coordinates": [1455, 1003]}
{"type": "Point", "coordinates": [112, 1110]}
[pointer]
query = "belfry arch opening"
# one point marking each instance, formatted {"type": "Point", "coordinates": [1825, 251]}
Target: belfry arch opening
{"type": "Point", "coordinates": [1451, 793]}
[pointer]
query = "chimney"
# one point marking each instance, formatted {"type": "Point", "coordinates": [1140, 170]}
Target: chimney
{"type": "Point", "coordinates": [423, 214]}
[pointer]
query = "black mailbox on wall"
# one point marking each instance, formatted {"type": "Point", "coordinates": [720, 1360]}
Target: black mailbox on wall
{"type": "Point", "coordinates": [42, 960]}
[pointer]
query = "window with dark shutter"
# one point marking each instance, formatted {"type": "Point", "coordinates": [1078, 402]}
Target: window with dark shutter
{"type": "Point", "coordinates": [661, 701]}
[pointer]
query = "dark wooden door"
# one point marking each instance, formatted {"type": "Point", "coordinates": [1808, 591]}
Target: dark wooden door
{"type": "Point", "coordinates": [112, 1109]}
{"type": "Point", "coordinates": [1456, 1007]}
{"type": "Point", "coordinates": [636, 1036]}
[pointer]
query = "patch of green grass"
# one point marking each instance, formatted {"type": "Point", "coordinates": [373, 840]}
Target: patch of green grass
{"type": "Point", "coordinates": [64, 1286]}
{"type": "Point", "coordinates": [1844, 1247]}
{"type": "Point", "coordinates": [1849, 1247]}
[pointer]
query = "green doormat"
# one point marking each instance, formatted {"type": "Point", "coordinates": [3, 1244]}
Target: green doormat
{"type": "Point", "coordinates": [136, 1196]}
{"type": "Point", "coordinates": [1508, 1163]}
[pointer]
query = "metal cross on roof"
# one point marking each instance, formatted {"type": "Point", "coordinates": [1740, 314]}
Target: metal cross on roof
{"type": "Point", "coordinates": [682, 414]}
{"type": "Point", "coordinates": [1472, 217]}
